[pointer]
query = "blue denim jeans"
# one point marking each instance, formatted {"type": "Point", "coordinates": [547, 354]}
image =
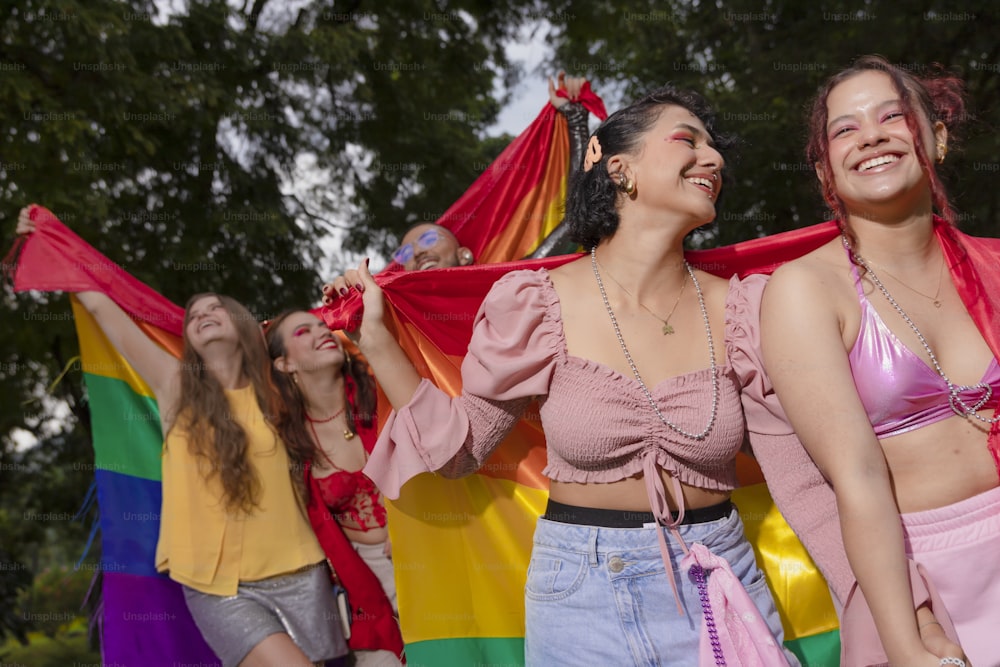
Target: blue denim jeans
{"type": "Point", "coordinates": [600, 596]}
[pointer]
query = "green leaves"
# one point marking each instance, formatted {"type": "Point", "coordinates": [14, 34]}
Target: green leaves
{"type": "Point", "coordinates": [761, 62]}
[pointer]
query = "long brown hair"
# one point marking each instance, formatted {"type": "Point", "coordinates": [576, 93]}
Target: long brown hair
{"type": "Point", "coordinates": [939, 96]}
{"type": "Point", "coordinates": [204, 411]}
{"type": "Point", "coordinates": [290, 411]}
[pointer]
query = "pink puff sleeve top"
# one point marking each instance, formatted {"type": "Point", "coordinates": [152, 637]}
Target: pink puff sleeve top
{"type": "Point", "coordinates": [800, 491]}
{"type": "Point", "coordinates": [599, 426]}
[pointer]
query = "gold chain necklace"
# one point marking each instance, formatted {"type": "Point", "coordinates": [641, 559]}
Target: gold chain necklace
{"type": "Point", "coordinates": [934, 299]}
{"type": "Point", "coordinates": [348, 433]}
{"type": "Point", "coordinates": [667, 328]}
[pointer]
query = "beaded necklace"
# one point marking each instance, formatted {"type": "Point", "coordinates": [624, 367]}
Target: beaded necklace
{"type": "Point", "coordinates": [635, 371]}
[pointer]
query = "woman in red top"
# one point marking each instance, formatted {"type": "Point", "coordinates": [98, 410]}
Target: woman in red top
{"type": "Point", "coordinates": [327, 417]}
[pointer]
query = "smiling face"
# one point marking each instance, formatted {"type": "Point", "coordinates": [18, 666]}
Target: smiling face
{"type": "Point", "coordinates": [431, 246]}
{"type": "Point", "coordinates": [678, 167]}
{"type": "Point", "coordinates": [872, 152]}
{"type": "Point", "coordinates": [208, 321]}
{"type": "Point", "coordinates": [308, 343]}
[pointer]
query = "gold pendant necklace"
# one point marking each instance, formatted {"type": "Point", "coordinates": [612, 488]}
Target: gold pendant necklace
{"type": "Point", "coordinates": [348, 433]}
{"type": "Point", "coordinates": [933, 299]}
{"type": "Point", "coordinates": [635, 370]}
{"type": "Point", "coordinates": [667, 327]}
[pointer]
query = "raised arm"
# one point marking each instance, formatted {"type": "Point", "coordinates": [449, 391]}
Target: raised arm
{"type": "Point", "coordinates": [501, 374]}
{"type": "Point", "coordinates": [558, 242]}
{"type": "Point", "coordinates": [576, 116]}
{"type": "Point", "coordinates": [155, 365]}
{"type": "Point", "coordinates": [393, 369]}
{"type": "Point", "coordinates": [805, 356]}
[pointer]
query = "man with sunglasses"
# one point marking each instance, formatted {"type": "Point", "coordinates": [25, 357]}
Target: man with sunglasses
{"type": "Point", "coordinates": [430, 246]}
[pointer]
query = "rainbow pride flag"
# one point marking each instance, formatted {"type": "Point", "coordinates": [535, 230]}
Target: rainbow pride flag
{"type": "Point", "coordinates": [518, 199]}
{"type": "Point", "coordinates": [144, 619]}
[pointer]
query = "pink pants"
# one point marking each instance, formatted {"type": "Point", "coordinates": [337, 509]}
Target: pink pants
{"type": "Point", "coordinates": [959, 547]}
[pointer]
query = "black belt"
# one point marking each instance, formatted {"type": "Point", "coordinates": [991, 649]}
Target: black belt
{"type": "Point", "coordinates": [593, 516]}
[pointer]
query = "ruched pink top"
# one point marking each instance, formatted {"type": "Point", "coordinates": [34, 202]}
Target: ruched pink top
{"type": "Point", "coordinates": [899, 391]}
{"type": "Point", "coordinates": [599, 426]}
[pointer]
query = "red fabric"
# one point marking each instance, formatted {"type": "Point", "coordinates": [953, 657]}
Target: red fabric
{"type": "Point", "coordinates": [373, 625]}
{"type": "Point", "coordinates": [486, 211]}
{"type": "Point", "coordinates": [974, 263]}
{"type": "Point", "coordinates": [54, 259]}
{"type": "Point", "coordinates": [589, 99]}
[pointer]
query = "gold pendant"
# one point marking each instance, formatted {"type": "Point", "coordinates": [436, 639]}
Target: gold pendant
{"type": "Point", "coordinates": [348, 434]}
{"type": "Point", "coordinates": [667, 329]}
{"type": "Point", "coordinates": [937, 304]}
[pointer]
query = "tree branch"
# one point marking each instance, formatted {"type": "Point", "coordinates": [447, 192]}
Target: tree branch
{"type": "Point", "coordinates": [315, 217]}
{"type": "Point", "coordinates": [258, 7]}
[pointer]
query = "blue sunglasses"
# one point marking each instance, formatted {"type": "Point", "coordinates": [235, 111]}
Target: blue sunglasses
{"type": "Point", "coordinates": [423, 242]}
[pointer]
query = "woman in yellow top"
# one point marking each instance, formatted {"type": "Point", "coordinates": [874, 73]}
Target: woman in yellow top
{"type": "Point", "coordinates": [233, 531]}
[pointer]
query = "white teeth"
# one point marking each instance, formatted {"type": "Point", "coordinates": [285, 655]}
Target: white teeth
{"type": "Point", "coordinates": [877, 161]}
{"type": "Point", "coordinates": [701, 181]}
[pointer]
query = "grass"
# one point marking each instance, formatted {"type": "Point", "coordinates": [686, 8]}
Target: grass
{"type": "Point", "coordinates": [68, 649]}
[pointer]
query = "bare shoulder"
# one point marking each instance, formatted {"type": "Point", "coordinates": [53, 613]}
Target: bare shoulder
{"type": "Point", "coordinates": [570, 276]}
{"type": "Point", "coordinates": [711, 284]}
{"type": "Point", "coordinates": [822, 273]}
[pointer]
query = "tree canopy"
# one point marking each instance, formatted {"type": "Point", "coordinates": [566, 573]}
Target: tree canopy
{"type": "Point", "coordinates": [760, 63]}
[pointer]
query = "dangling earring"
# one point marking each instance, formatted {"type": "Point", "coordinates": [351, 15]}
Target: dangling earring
{"type": "Point", "coordinates": [348, 432]}
{"type": "Point", "coordinates": [942, 151]}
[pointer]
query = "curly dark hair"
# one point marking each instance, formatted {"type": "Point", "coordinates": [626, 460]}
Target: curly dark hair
{"type": "Point", "coordinates": [593, 198]}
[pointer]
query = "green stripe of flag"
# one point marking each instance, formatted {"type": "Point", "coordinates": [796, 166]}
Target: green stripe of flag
{"type": "Point", "coordinates": [822, 650]}
{"type": "Point", "coordinates": [127, 436]}
{"type": "Point", "coordinates": [468, 651]}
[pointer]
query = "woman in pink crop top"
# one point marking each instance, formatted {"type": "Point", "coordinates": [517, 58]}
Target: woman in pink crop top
{"type": "Point", "coordinates": [640, 555]}
{"type": "Point", "coordinates": [886, 378]}
{"type": "Point", "coordinates": [327, 417]}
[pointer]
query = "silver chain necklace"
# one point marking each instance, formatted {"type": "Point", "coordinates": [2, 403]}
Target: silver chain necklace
{"type": "Point", "coordinates": [635, 371]}
{"type": "Point", "coordinates": [958, 404]}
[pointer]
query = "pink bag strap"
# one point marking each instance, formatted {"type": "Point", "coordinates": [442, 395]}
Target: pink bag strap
{"type": "Point", "coordinates": [741, 635]}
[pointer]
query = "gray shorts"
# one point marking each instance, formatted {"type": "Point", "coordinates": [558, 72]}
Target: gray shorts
{"type": "Point", "coordinates": [300, 604]}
